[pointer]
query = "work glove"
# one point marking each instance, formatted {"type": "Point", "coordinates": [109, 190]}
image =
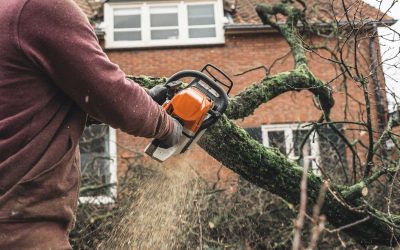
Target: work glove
{"type": "Point", "coordinates": [174, 137]}
{"type": "Point", "coordinates": [158, 93]}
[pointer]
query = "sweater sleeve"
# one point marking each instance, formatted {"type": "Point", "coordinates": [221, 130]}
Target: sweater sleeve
{"type": "Point", "coordinates": [58, 39]}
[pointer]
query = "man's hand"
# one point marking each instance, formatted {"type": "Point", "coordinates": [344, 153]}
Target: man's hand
{"type": "Point", "coordinates": [158, 93]}
{"type": "Point", "coordinates": [174, 137]}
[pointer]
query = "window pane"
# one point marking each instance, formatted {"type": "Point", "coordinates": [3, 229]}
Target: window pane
{"type": "Point", "coordinates": [127, 36]}
{"type": "Point", "coordinates": [163, 16]}
{"type": "Point", "coordinates": [95, 159]}
{"type": "Point", "coordinates": [298, 137]}
{"type": "Point", "coordinates": [201, 14]}
{"type": "Point", "coordinates": [164, 34]}
{"type": "Point", "coordinates": [127, 21]}
{"type": "Point", "coordinates": [277, 140]}
{"type": "Point", "coordinates": [94, 139]}
{"type": "Point", "coordinates": [202, 32]}
{"type": "Point", "coordinates": [162, 20]}
{"type": "Point", "coordinates": [332, 151]}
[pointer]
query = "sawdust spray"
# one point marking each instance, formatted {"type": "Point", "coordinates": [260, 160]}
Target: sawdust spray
{"type": "Point", "coordinates": [158, 216]}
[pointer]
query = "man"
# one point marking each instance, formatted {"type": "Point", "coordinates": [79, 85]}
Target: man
{"type": "Point", "coordinates": [53, 73]}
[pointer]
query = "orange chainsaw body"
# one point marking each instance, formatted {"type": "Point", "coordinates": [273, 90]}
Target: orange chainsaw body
{"type": "Point", "coordinates": [190, 106]}
{"type": "Point", "coordinates": [197, 106]}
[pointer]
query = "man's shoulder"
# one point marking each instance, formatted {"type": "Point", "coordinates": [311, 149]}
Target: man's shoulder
{"type": "Point", "coordinates": [11, 8]}
{"type": "Point", "coordinates": [48, 8]}
{"type": "Point", "coordinates": [51, 12]}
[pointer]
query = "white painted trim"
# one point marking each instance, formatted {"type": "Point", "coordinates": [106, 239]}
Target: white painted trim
{"type": "Point", "coordinates": [97, 200]}
{"type": "Point", "coordinates": [114, 162]}
{"type": "Point", "coordinates": [183, 27]}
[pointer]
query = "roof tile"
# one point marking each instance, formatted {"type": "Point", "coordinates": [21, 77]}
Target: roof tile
{"type": "Point", "coordinates": [317, 11]}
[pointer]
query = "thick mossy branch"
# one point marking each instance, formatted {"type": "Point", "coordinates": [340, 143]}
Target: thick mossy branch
{"type": "Point", "coordinates": [269, 169]}
{"type": "Point", "coordinates": [244, 104]}
{"type": "Point", "coordinates": [289, 30]}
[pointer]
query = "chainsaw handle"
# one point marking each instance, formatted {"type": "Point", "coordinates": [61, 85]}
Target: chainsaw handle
{"type": "Point", "coordinates": [207, 80]}
{"type": "Point", "coordinates": [222, 100]}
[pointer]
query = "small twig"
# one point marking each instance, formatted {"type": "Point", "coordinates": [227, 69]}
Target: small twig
{"type": "Point", "coordinates": [359, 209]}
{"type": "Point", "coordinates": [319, 221]}
{"type": "Point", "coordinates": [299, 224]}
{"type": "Point", "coordinates": [348, 225]}
{"type": "Point", "coordinates": [383, 136]}
{"type": "Point", "coordinates": [370, 154]}
{"type": "Point", "coordinates": [391, 188]}
{"type": "Point", "coordinates": [305, 139]}
{"type": "Point", "coordinates": [252, 69]}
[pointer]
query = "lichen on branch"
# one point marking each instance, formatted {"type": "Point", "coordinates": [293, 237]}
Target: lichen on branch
{"type": "Point", "coordinates": [289, 29]}
{"type": "Point", "coordinates": [244, 104]}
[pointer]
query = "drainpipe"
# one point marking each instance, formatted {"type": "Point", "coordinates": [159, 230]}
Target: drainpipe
{"type": "Point", "coordinates": [380, 101]}
{"type": "Point", "coordinates": [380, 105]}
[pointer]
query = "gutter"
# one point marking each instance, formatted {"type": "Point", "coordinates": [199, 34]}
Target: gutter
{"type": "Point", "coordinates": [238, 28]}
{"type": "Point", "coordinates": [248, 29]}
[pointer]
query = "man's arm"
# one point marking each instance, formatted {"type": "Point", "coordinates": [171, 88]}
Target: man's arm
{"type": "Point", "coordinates": [57, 38]}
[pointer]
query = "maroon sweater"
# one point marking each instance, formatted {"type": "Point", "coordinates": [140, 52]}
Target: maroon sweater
{"type": "Point", "coordinates": [53, 72]}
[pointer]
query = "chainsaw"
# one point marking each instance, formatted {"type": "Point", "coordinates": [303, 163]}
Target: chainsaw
{"type": "Point", "coordinates": [197, 106]}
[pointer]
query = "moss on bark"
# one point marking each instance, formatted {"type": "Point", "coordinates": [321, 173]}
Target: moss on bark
{"type": "Point", "coordinates": [269, 169]}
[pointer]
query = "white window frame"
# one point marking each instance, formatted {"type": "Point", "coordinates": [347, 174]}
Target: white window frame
{"type": "Point", "coordinates": [315, 157]}
{"type": "Point", "coordinates": [107, 199]}
{"type": "Point", "coordinates": [126, 29]}
{"type": "Point", "coordinates": [146, 41]}
{"type": "Point", "coordinates": [165, 27]}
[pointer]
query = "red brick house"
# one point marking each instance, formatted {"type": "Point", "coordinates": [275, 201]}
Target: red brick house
{"type": "Point", "coordinates": [159, 38]}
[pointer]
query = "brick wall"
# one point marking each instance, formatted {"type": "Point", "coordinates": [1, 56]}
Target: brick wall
{"type": "Point", "coordinates": [240, 53]}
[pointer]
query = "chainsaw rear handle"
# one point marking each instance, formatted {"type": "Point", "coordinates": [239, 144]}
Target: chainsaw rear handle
{"type": "Point", "coordinates": [221, 102]}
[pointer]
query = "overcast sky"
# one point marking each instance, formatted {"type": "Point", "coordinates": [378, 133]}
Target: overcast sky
{"type": "Point", "coordinates": [390, 48]}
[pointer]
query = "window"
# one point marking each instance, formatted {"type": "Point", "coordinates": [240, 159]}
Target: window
{"type": "Point", "coordinates": [98, 164]}
{"type": "Point", "coordinates": [146, 24]}
{"type": "Point", "coordinates": [287, 138]}
{"type": "Point", "coordinates": [164, 23]}
{"type": "Point", "coordinates": [127, 25]}
{"type": "Point", "coordinates": [201, 21]}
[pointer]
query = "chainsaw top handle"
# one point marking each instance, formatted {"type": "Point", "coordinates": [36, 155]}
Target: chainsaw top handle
{"type": "Point", "coordinates": [220, 102]}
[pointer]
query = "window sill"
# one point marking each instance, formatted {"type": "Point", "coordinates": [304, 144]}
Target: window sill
{"type": "Point", "coordinates": [167, 44]}
{"type": "Point", "coordinates": [97, 200]}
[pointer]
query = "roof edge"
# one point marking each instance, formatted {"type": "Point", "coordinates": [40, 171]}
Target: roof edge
{"type": "Point", "coordinates": [235, 28]}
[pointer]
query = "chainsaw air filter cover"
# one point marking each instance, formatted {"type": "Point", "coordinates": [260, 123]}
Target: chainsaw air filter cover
{"type": "Point", "coordinates": [190, 106]}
